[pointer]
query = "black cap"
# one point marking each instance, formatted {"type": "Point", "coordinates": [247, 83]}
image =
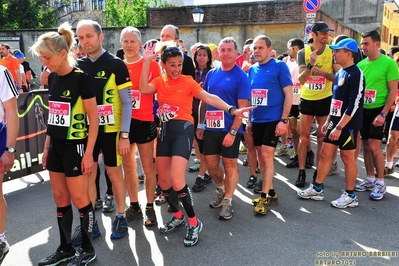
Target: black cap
{"type": "Point", "coordinates": [321, 26]}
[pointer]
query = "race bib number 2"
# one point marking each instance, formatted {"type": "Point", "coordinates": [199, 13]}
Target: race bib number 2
{"type": "Point", "coordinates": [59, 114]}
{"type": "Point", "coordinates": [215, 119]}
{"type": "Point", "coordinates": [106, 114]}
{"type": "Point", "coordinates": [136, 99]}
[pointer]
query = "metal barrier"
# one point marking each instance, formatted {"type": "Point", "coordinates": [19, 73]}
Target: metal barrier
{"type": "Point", "coordinates": [33, 114]}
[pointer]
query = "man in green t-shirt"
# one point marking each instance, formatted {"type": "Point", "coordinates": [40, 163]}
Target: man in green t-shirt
{"type": "Point", "coordinates": [381, 74]}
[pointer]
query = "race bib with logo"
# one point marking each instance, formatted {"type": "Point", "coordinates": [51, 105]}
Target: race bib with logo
{"type": "Point", "coordinates": [136, 99]}
{"type": "Point", "coordinates": [106, 114]}
{"type": "Point", "coordinates": [259, 97]}
{"type": "Point", "coordinates": [316, 83]}
{"type": "Point", "coordinates": [296, 89]}
{"type": "Point", "coordinates": [215, 119]}
{"type": "Point", "coordinates": [167, 112]}
{"type": "Point", "coordinates": [336, 106]}
{"type": "Point", "coordinates": [370, 96]}
{"type": "Point", "coordinates": [59, 114]}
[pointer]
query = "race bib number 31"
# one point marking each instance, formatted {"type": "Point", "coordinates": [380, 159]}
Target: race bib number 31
{"type": "Point", "coordinates": [215, 119]}
{"type": "Point", "coordinates": [106, 114]}
{"type": "Point", "coordinates": [59, 114]}
{"type": "Point", "coordinates": [369, 96]}
{"type": "Point", "coordinates": [259, 97]}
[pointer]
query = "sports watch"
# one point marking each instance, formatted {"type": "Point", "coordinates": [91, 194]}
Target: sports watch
{"type": "Point", "coordinates": [10, 149]}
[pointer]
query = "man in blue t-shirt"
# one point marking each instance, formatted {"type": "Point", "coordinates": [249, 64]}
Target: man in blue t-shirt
{"type": "Point", "coordinates": [271, 92]}
{"type": "Point", "coordinates": [223, 132]}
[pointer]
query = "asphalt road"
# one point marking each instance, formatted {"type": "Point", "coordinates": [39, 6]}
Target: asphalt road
{"type": "Point", "coordinates": [294, 232]}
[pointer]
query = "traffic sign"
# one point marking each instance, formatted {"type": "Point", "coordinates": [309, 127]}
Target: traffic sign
{"type": "Point", "coordinates": [310, 15]}
{"type": "Point", "coordinates": [308, 29]}
{"type": "Point", "coordinates": [311, 5]}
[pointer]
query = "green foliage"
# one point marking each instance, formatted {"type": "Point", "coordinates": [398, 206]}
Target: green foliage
{"type": "Point", "coordinates": [26, 14]}
{"type": "Point", "coordinates": [129, 12]}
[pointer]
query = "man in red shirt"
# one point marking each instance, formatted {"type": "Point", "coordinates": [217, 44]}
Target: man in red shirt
{"type": "Point", "coordinates": [11, 63]}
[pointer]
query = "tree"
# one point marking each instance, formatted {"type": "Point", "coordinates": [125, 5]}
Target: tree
{"type": "Point", "coordinates": [26, 14]}
{"type": "Point", "coordinates": [120, 13]}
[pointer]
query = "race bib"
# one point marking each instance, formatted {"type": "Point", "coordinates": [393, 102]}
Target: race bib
{"type": "Point", "coordinates": [316, 83]}
{"type": "Point", "coordinates": [167, 112]}
{"type": "Point", "coordinates": [259, 97]}
{"type": "Point", "coordinates": [336, 106]}
{"type": "Point", "coordinates": [59, 114]}
{"type": "Point", "coordinates": [106, 114]}
{"type": "Point", "coordinates": [369, 96]}
{"type": "Point", "coordinates": [296, 89]}
{"type": "Point", "coordinates": [136, 99]}
{"type": "Point", "coordinates": [215, 119]}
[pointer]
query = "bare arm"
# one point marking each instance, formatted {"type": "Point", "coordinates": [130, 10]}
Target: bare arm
{"type": "Point", "coordinates": [7, 159]}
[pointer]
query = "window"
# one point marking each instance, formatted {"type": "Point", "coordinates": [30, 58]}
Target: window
{"type": "Point", "coordinates": [97, 5]}
{"type": "Point", "coordinates": [77, 5]}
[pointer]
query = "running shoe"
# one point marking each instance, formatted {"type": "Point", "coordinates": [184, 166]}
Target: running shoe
{"type": "Point", "coordinates": [245, 162]}
{"type": "Point", "coordinates": [334, 168]}
{"type": "Point", "coordinates": [388, 171]}
{"type": "Point", "coordinates": [259, 187]}
{"type": "Point", "coordinates": [345, 201]}
{"type": "Point", "coordinates": [173, 224]}
{"type": "Point", "coordinates": [300, 181]}
{"type": "Point", "coordinates": [195, 167]}
{"type": "Point", "coordinates": [119, 227]}
{"type": "Point", "coordinates": [77, 235]}
{"type": "Point", "coordinates": [397, 163]}
{"type": "Point", "coordinates": [192, 234]}
{"type": "Point", "coordinates": [365, 185]}
{"type": "Point", "coordinates": [141, 178]}
{"type": "Point", "coordinates": [161, 199]}
{"type": "Point", "coordinates": [58, 257]}
{"type": "Point", "coordinates": [98, 204]}
{"type": "Point", "coordinates": [378, 191]}
{"type": "Point", "coordinates": [199, 184]}
{"type": "Point", "coordinates": [260, 206]}
{"type": "Point", "coordinates": [226, 213]}
{"type": "Point", "coordinates": [132, 214]}
{"type": "Point", "coordinates": [243, 150]}
{"type": "Point", "coordinates": [309, 159]}
{"type": "Point", "coordinates": [293, 155]}
{"type": "Point", "coordinates": [311, 193]}
{"type": "Point", "coordinates": [207, 178]}
{"type": "Point", "coordinates": [294, 163]}
{"type": "Point", "coordinates": [4, 249]}
{"type": "Point", "coordinates": [270, 200]}
{"type": "Point", "coordinates": [150, 216]}
{"type": "Point", "coordinates": [281, 151]}
{"type": "Point", "coordinates": [83, 257]}
{"type": "Point", "coordinates": [217, 200]}
{"type": "Point", "coordinates": [252, 181]}
{"type": "Point", "coordinates": [158, 191]}
{"type": "Point", "coordinates": [109, 205]}
{"type": "Point", "coordinates": [290, 144]}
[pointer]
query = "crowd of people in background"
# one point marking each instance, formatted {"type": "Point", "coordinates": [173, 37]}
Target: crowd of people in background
{"type": "Point", "coordinates": [168, 102]}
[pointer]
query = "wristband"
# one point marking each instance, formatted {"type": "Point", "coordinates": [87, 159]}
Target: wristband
{"type": "Point", "coordinates": [201, 126]}
{"type": "Point", "coordinates": [384, 115]}
{"type": "Point", "coordinates": [309, 66]}
{"type": "Point", "coordinates": [230, 109]}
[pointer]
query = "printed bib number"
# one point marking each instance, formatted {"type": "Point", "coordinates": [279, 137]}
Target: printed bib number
{"type": "Point", "coordinates": [106, 114]}
{"type": "Point", "coordinates": [315, 83]}
{"type": "Point", "coordinates": [336, 106]}
{"type": "Point", "coordinates": [296, 89]}
{"type": "Point", "coordinates": [136, 99]}
{"type": "Point", "coordinates": [259, 97]}
{"type": "Point", "coordinates": [215, 119]}
{"type": "Point", "coordinates": [369, 96]}
{"type": "Point", "coordinates": [59, 114]}
{"type": "Point", "coordinates": [167, 112]}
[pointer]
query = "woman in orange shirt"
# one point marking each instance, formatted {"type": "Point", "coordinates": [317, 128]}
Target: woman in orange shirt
{"type": "Point", "coordinates": [175, 94]}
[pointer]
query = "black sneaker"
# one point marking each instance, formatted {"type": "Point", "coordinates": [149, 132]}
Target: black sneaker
{"type": "Point", "coordinates": [158, 191]}
{"type": "Point", "coordinates": [132, 214]}
{"type": "Point", "coordinates": [58, 257]}
{"type": "Point", "coordinates": [119, 227]}
{"type": "Point", "coordinates": [77, 235]}
{"type": "Point", "coordinates": [294, 163]}
{"type": "Point", "coordinates": [207, 178]}
{"type": "Point", "coordinates": [258, 188]}
{"type": "Point", "coordinates": [150, 217]}
{"type": "Point", "coordinates": [141, 178]}
{"type": "Point", "coordinates": [309, 159]}
{"type": "Point", "coordinates": [300, 181]}
{"type": "Point", "coordinates": [83, 257]}
{"type": "Point", "coordinates": [252, 181]}
{"type": "Point", "coordinates": [199, 185]}
{"type": "Point", "coordinates": [4, 249]}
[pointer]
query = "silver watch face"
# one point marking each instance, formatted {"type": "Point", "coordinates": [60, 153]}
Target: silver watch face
{"type": "Point", "coordinates": [10, 149]}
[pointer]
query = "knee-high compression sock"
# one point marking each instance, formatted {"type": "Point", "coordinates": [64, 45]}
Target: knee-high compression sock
{"type": "Point", "coordinates": [109, 184]}
{"type": "Point", "coordinates": [87, 224]}
{"type": "Point", "coordinates": [171, 198]}
{"type": "Point", "coordinates": [186, 198]}
{"type": "Point", "coordinates": [64, 219]}
{"type": "Point", "coordinates": [98, 182]}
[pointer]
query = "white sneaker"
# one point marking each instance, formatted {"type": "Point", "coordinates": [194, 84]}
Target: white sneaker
{"type": "Point", "coordinates": [334, 168]}
{"type": "Point", "coordinates": [311, 193]}
{"type": "Point", "coordinates": [378, 191]}
{"type": "Point", "coordinates": [365, 185]}
{"type": "Point", "coordinates": [397, 163]}
{"type": "Point", "coordinates": [345, 201]}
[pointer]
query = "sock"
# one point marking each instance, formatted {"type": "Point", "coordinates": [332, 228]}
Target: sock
{"type": "Point", "coordinates": [230, 199]}
{"type": "Point", "coordinates": [318, 187]}
{"type": "Point", "coordinates": [64, 219]}
{"type": "Point", "coordinates": [271, 192]}
{"type": "Point", "coordinates": [284, 145]}
{"type": "Point", "coordinates": [172, 199]}
{"type": "Point", "coordinates": [185, 197]}
{"type": "Point", "coordinates": [149, 206]}
{"type": "Point", "coordinates": [222, 188]}
{"type": "Point", "coordinates": [350, 193]}
{"type": "Point", "coordinates": [135, 205]}
{"type": "Point", "coordinates": [206, 172]}
{"type": "Point", "coordinates": [263, 195]}
{"type": "Point", "coordinates": [371, 179]}
{"type": "Point", "coordinates": [389, 164]}
{"type": "Point", "coordinates": [380, 181]}
{"type": "Point", "coordinates": [193, 221]}
{"type": "Point", "coordinates": [201, 176]}
{"type": "Point", "coordinates": [121, 215]}
{"type": "Point", "coordinates": [3, 237]}
{"type": "Point", "coordinates": [87, 220]}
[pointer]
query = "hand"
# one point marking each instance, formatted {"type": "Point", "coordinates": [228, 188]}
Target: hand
{"type": "Point", "coordinates": [87, 163]}
{"type": "Point", "coordinates": [318, 71]}
{"type": "Point", "coordinates": [334, 135]}
{"type": "Point", "coordinates": [228, 140]}
{"type": "Point", "coordinates": [379, 121]}
{"type": "Point", "coordinates": [6, 162]}
{"type": "Point", "coordinates": [200, 133]}
{"type": "Point", "coordinates": [243, 112]}
{"type": "Point", "coordinates": [123, 147]}
{"type": "Point", "coordinates": [324, 128]}
{"type": "Point", "coordinates": [281, 129]}
{"type": "Point", "coordinates": [149, 52]}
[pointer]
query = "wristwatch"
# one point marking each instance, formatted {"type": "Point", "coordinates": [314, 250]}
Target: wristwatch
{"type": "Point", "coordinates": [309, 66]}
{"type": "Point", "coordinates": [284, 120]}
{"type": "Point", "coordinates": [384, 115]}
{"type": "Point", "coordinates": [233, 132]}
{"type": "Point", "coordinates": [124, 135]}
{"type": "Point", "coordinates": [338, 128]}
{"type": "Point", "coordinates": [10, 149]}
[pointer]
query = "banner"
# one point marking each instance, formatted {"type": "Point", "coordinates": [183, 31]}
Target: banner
{"type": "Point", "coordinates": [33, 114]}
